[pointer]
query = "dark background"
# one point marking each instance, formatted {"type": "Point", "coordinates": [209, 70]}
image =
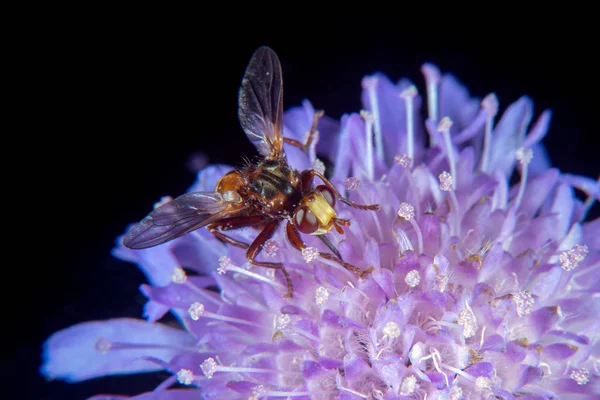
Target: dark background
{"type": "Point", "coordinates": [123, 105]}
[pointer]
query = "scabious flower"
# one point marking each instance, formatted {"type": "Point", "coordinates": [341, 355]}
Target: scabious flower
{"type": "Point", "coordinates": [479, 288]}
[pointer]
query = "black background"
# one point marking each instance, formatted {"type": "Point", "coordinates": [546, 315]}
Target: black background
{"type": "Point", "coordinates": [123, 104]}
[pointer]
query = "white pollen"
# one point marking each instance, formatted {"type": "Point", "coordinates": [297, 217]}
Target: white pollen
{"type": "Point", "coordinates": [178, 275]}
{"type": "Point", "coordinates": [413, 278]}
{"type": "Point", "coordinates": [467, 319]}
{"type": "Point", "coordinates": [208, 367]}
{"type": "Point", "coordinates": [185, 376]}
{"type": "Point", "coordinates": [318, 166]}
{"type": "Point", "coordinates": [570, 259]}
{"type": "Point", "coordinates": [408, 386]}
{"type": "Point", "coordinates": [309, 254]}
{"type": "Point", "coordinates": [270, 248]}
{"type": "Point", "coordinates": [524, 155]}
{"type": "Point", "coordinates": [259, 391]}
{"type": "Point", "coordinates": [444, 125]}
{"type": "Point", "coordinates": [196, 310]}
{"type": "Point", "coordinates": [490, 104]}
{"type": "Point", "coordinates": [321, 295]}
{"type": "Point", "coordinates": [456, 393]}
{"type": "Point", "coordinates": [410, 91]}
{"type": "Point", "coordinates": [524, 302]}
{"type": "Point", "coordinates": [406, 211]}
{"type": "Point", "coordinates": [403, 160]}
{"type": "Point", "coordinates": [224, 264]}
{"type": "Point", "coordinates": [581, 376]}
{"type": "Point", "coordinates": [446, 181]}
{"type": "Point", "coordinates": [391, 329]}
{"type": "Point", "coordinates": [483, 383]}
{"type": "Point", "coordinates": [283, 320]}
{"type": "Point", "coordinates": [352, 183]}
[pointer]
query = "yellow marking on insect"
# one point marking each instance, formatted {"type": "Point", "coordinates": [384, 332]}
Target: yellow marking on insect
{"type": "Point", "coordinates": [322, 210]}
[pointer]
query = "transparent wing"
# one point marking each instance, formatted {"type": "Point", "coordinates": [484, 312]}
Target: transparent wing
{"type": "Point", "coordinates": [178, 217]}
{"type": "Point", "coordinates": [261, 103]}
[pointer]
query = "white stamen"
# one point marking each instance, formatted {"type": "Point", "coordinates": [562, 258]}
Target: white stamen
{"type": "Point", "coordinates": [446, 181]}
{"type": "Point", "coordinates": [444, 128]}
{"type": "Point", "coordinates": [178, 275]}
{"type": "Point", "coordinates": [456, 393]}
{"type": "Point", "coordinates": [482, 383]}
{"type": "Point", "coordinates": [261, 391]}
{"type": "Point", "coordinates": [196, 311]}
{"type": "Point", "coordinates": [321, 295]}
{"type": "Point", "coordinates": [570, 259]}
{"type": "Point", "coordinates": [407, 212]}
{"type": "Point", "coordinates": [432, 79]}
{"type": "Point", "coordinates": [524, 158]}
{"type": "Point", "coordinates": [413, 278]}
{"type": "Point", "coordinates": [318, 166]}
{"type": "Point", "coordinates": [371, 83]}
{"type": "Point", "coordinates": [581, 376]}
{"type": "Point", "coordinates": [226, 265]}
{"type": "Point", "coordinates": [391, 330]}
{"type": "Point", "coordinates": [409, 384]}
{"type": "Point", "coordinates": [369, 141]}
{"type": "Point", "coordinates": [364, 396]}
{"type": "Point", "coordinates": [283, 320]}
{"type": "Point", "coordinates": [352, 183]}
{"type": "Point", "coordinates": [447, 185]}
{"type": "Point", "coordinates": [209, 367]}
{"type": "Point", "coordinates": [403, 160]}
{"type": "Point", "coordinates": [490, 104]}
{"type": "Point", "coordinates": [309, 254]}
{"type": "Point", "coordinates": [404, 243]}
{"type": "Point", "coordinates": [437, 360]}
{"type": "Point", "coordinates": [185, 376]}
{"type": "Point", "coordinates": [271, 247]}
{"type": "Point", "coordinates": [524, 302]}
{"type": "Point", "coordinates": [408, 95]}
{"type": "Point", "coordinates": [467, 319]}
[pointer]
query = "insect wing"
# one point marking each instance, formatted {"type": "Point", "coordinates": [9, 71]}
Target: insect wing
{"type": "Point", "coordinates": [261, 103]}
{"type": "Point", "coordinates": [178, 217]}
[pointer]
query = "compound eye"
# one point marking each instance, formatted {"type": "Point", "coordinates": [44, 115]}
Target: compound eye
{"type": "Point", "coordinates": [306, 221]}
{"type": "Point", "coordinates": [327, 193]}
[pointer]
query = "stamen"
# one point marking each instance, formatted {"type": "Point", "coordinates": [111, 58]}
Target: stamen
{"type": "Point", "coordinates": [467, 319]}
{"type": "Point", "coordinates": [490, 104]}
{"type": "Point", "coordinates": [391, 330]}
{"type": "Point", "coordinates": [409, 384]}
{"type": "Point", "coordinates": [432, 79]}
{"type": "Point", "coordinates": [447, 185]}
{"type": "Point", "coordinates": [283, 320]}
{"type": "Point", "coordinates": [261, 391]}
{"type": "Point", "coordinates": [270, 248]}
{"type": "Point", "coordinates": [196, 311]}
{"type": "Point", "coordinates": [407, 212]}
{"type": "Point", "coordinates": [436, 358]}
{"type": "Point", "coordinates": [352, 183]}
{"type": "Point", "coordinates": [185, 376]}
{"type": "Point", "coordinates": [403, 160]}
{"type": "Point", "coordinates": [413, 278]}
{"type": "Point", "coordinates": [444, 129]}
{"type": "Point", "coordinates": [318, 166]}
{"type": "Point", "coordinates": [570, 259]}
{"type": "Point", "coordinates": [524, 302]}
{"type": "Point", "coordinates": [321, 295]}
{"type": "Point", "coordinates": [370, 84]}
{"type": "Point", "coordinates": [581, 376]}
{"type": "Point", "coordinates": [178, 275]}
{"type": "Point", "coordinates": [369, 141]}
{"type": "Point", "coordinates": [364, 396]}
{"type": "Point", "coordinates": [226, 265]}
{"type": "Point", "coordinates": [408, 95]}
{"type": "Point", "coordinates": [210, 366]}
{"type": "Point", "coordinates": [524, 156]}
{"type": "Point", "coordinates": [456, 393]}
{"type": "Point", "coordinates": [310, 254]}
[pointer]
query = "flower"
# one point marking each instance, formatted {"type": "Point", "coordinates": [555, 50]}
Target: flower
{"type": "Point", "coordinates": [479, 289]}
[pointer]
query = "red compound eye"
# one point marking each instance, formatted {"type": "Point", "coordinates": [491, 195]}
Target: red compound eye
{"type": "Point", "coordinates": [306, 222]}
{"type": "Point", "coordinates": [327, 193]}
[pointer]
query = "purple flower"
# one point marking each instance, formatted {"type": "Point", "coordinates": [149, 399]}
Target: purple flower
{"type": "Point", "coordinates": [479, 289]}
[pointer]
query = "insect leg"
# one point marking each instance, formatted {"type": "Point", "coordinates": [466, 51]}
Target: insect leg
{"type": "Point", "coordinates": [296, 241]}
{"type": "Point", "coordinates": [230, 223]}
{"type": "Point", "coordinates": [256, 247]}
{"type": "Point", "coordinates": [310, 174]}
{"type": "Point", "coordinates": [313, 130]}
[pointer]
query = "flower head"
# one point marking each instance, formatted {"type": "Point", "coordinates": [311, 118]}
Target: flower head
{"type": "Point", "coordinates": [477, 290]}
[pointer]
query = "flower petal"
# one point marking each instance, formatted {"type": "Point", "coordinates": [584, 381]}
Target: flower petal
{"type": "Point", "coordinates": [84, 351]}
